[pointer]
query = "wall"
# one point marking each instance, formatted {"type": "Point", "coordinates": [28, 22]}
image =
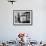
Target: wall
{"type": "Point", "coordinates": [38, 29]}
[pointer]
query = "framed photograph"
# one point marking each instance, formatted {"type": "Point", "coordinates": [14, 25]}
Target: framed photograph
{"type": "Point", "coordinates": [22, 17]}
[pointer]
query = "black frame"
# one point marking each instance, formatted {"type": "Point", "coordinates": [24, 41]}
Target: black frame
{"type": "Point", "coordinates": [30, 18]}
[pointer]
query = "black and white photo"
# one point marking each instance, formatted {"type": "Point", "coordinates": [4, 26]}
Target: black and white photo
{"type": "Point", "coordinates": [22, 16]}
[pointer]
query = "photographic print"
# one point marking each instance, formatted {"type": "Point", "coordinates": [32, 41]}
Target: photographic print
{"type": "Point", "coordinates": [22, 17]}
